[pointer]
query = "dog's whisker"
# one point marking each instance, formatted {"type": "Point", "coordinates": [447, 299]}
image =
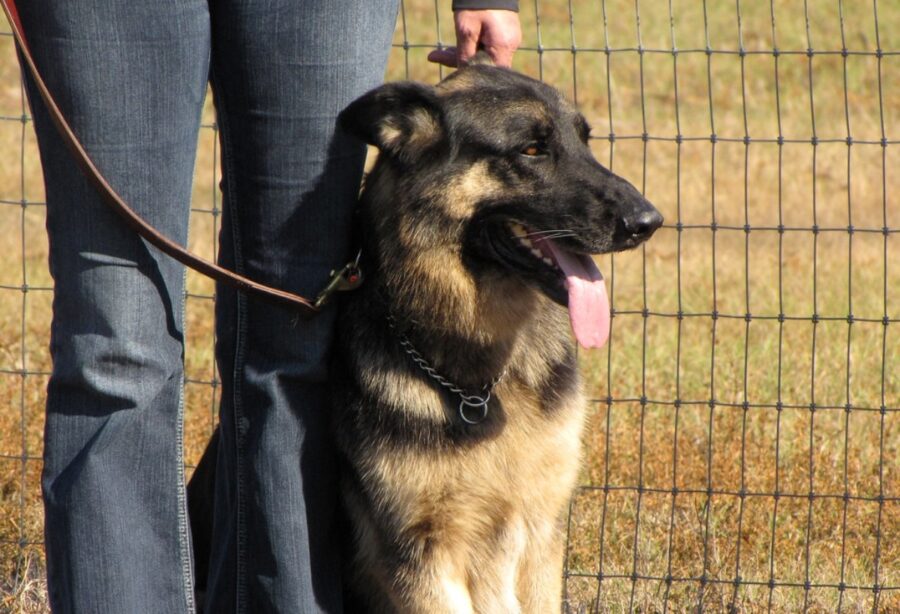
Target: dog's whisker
{"type": "Point", "coordinates": [542, 235]}
{"type": "Point", "coordinates": [554, 235]}
{"type": "Point", "coordinates": [550, 231]}
{"type": "Point", "coordinates": [561, 233]}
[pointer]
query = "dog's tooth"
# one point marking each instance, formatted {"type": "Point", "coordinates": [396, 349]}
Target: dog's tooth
{"type": "Point", "coordinates": [521, 234]}
{"type": "Point", "coordinates": [548, 261]}
{"type": "Point", "coordinates": [537, 253]}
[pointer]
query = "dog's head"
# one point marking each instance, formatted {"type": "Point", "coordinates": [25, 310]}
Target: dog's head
{"type": "Point", "coordinates": [494, 168]}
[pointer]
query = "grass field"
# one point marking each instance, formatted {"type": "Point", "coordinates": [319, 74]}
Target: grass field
{"type": "Point", "coordinates": [745, 430]}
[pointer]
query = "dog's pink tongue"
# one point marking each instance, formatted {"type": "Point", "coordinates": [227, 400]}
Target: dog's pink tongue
{"type": "Point", "coordinates": [588, 301]}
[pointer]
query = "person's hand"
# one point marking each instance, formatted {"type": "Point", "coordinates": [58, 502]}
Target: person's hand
{"type": "Point", "coordinates": [497, 32]}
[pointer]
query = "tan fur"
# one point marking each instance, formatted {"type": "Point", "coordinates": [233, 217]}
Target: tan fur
{"type": "Point", "coordinates": [467, 189]}
{"type": "Point", "coordinates": [466, 309]}
{"type": "Point", "coordinates": [418, 130]}
{"type": "Point", "coordinates": [408, 394]}
{"type": "Point", "coordinates": [486, 512]}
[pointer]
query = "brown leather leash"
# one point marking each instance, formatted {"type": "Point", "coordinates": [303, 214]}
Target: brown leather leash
{"type": "Point", "coordinates": [347, 278]}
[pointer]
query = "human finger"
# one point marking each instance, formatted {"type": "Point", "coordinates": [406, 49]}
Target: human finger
{"type": "Point", "coordinates": [498, 32]}
{"type": "Point", "coordinates": [446, 56]}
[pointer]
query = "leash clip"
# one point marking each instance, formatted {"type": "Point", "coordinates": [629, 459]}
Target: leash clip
{"type": "Point", "coordinates": [348, 278]}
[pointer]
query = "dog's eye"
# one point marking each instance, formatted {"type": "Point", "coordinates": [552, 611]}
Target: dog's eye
{"type": "Point", "coordinates": [533, 149]}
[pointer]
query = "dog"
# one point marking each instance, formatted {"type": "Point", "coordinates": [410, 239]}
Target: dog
{"type": "Point", "coordinates": [458, 411]}
{"type": "Point", "coordinates": [457, 404]}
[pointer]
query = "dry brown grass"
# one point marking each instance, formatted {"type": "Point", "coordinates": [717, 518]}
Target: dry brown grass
{"type": "Point", "coordinates": [663, 478]}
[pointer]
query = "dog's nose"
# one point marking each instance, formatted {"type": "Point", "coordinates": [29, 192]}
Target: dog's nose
{"type": "Point", "coordinates": [644, 223]}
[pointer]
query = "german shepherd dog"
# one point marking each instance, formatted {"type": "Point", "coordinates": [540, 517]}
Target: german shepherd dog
{"type": "Point", "coordinates": [457, 405]}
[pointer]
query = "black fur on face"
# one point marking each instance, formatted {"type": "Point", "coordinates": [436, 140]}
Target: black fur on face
{"type": "Point", "coordinates": [512, 156]}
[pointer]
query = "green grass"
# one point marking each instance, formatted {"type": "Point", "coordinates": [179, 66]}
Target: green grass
{"type": "Point", "coordinates": [695, 372]}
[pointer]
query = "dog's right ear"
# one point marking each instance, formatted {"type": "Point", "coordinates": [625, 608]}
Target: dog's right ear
{"type": "Point", "coordinates": [402, 118]}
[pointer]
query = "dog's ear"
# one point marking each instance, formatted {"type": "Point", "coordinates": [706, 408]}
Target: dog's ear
{"type": "Point", "coordinates": [402, 118]}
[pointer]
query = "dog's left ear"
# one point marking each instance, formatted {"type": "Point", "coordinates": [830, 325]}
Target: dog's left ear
{"type": "Point", "coordinates": [402, 118]}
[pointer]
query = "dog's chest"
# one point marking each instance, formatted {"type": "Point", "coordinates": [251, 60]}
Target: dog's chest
{"type": "Point", "coordinates": [466, 492]}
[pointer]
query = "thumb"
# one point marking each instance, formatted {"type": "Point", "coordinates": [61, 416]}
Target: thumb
{"type": "Point", "coordinates": [446, 56]}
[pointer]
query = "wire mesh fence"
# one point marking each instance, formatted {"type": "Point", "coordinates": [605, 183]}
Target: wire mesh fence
{"type": "Point", "coordinates": [742, 453]}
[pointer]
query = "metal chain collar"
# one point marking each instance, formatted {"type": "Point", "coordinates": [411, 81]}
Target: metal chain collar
{"type": "Point", "coordinates": [466, 400]}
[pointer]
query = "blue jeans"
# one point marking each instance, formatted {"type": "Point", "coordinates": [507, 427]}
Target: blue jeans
{"type": "Point", "coordinates": [131, 77]}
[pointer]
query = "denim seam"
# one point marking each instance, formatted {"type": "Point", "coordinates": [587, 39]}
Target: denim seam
{"type": "Point", "coordinates": [184, 532]}
{"type": "Point", "coordinates": [184, 538]}
{"type": "Point", "coordinates": [231, 209]}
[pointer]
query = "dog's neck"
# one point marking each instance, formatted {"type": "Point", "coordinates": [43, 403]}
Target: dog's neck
{"type": "Point", "coordinates": [469, 358]}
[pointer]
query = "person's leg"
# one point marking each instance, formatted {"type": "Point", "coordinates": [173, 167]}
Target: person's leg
{"type": "Point", "coordinates": [130, 75]}
{"type": "Point", "coordinates": [281, 72]}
